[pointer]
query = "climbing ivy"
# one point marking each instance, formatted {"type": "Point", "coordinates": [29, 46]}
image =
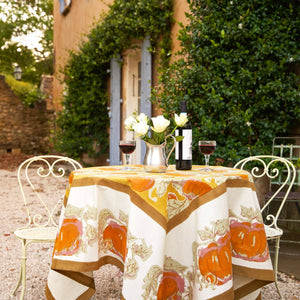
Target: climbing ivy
{"type": "Point", "coordinates": [235, 71]}
{"type": "Point", "coordinates": [84, 121]}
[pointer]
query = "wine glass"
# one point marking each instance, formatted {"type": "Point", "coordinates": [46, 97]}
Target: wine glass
{"type": "Point", "coordinates": [127, 147]}
{"type": "Point", "coordinates": [207, 148]}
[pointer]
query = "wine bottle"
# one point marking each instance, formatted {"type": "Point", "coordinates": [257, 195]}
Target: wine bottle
{"type": "Point", "coordinates": [183, 150]}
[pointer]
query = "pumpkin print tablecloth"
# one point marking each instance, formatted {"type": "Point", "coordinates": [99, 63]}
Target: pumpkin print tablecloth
{"type": "Point", "coordinates": [178, 235]}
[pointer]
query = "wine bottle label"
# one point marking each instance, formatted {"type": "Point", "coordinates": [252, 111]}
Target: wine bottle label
{"type": "Point", "coordinates": [186, 152]}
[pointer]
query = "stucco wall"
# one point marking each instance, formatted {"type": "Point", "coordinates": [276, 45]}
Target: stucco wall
{"type": "Point", "coordinates": [68, 32]}
{"type": "Point", "coordinates": [23, 129]}
{"type": "Point", "coordinates": [180, 8]}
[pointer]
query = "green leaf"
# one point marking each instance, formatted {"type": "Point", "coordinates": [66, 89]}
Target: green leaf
{"type": "Point", "coordinates": [179, 138]}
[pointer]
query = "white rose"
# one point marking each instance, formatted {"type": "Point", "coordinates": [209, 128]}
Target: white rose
{"type": "Point", "coordinates": [129, 122]}
{"type": "Point", "coordinates": [160, 124]}
{"type": "Point", "coordinates": [142, 118]}
{"type": "Point", "coordinates": [181, 119]}
{"type": "Point", "coordinates": [140, 128]}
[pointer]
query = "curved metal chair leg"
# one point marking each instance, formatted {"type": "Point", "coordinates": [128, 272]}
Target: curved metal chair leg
{"type": "Point", "coordinates": [22, 276]}
{"type": "Point", "coordinates": [276, 266]}
{"type": "Point", "coordinates": [18, 283]}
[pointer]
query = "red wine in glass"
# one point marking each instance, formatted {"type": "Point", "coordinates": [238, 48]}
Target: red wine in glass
{"type": "Point", "coordinates": [207, 148]}
{"type": "Point", "coordinates": [127, 147]}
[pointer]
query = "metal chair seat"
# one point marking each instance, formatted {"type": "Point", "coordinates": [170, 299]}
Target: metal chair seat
{"type": "Point", "coordinates": [37, 233]}
{"type": "Point", "coordinates": [273, 233]}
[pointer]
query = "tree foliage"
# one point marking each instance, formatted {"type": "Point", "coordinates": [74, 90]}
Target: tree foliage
{"type": "Point", "coordinates": [18, 20]}
{"type": "Point", "coordinates": [234, 73]}
{"type": "Point", "coordinates": [84, 121]}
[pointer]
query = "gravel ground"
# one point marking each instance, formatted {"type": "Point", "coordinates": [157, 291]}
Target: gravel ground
{"type": "Point", "coordinates": [108, 278]}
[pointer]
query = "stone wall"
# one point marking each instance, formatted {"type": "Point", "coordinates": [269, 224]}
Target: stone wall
{"type": "Point", "coordinates": [23, 129]}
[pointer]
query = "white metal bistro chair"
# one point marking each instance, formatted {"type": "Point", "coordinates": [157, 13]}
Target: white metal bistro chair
{"type": "Point", "coordinates": [34, 176]}
{"type": "Point", "coordinates": [272, 167]}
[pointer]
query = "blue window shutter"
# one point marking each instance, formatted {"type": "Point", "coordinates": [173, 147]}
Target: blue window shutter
{"type": "Point", "coordinates": [115, 112]}
{"type": "Point", "coordinates": [146, 81]}
{"type": "Point", "coordinates": [64, 6]}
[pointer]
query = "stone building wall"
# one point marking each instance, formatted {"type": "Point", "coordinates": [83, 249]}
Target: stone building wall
{"type": "Point", "coordinates": [23, 129]}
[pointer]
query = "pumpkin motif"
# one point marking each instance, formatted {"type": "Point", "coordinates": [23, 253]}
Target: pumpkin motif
{"type": "Point", "coordinates": [249, 241]}
{"type": "Point", "coordinates": [244, 176]}
{"type": "Point", "coordinates": [171, 286]}
{"type": "Point", "coordinates": [141, 184]}
{"type": "Point", "coordinates": [115, 238]}
{"type": "Point", "coordinates": [172, 196]}
{"type": "Point", "coordinates": [68, 240]}
{"type": "Point", "coordinates": [194, 188]}
{"type": "Point", "coordinates": [71, 176]}
{"type": "Point", "coordinates": [215, 261]}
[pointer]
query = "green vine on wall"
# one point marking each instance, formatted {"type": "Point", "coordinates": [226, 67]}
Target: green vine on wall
{"type": "Point", "coordinates": [84, 120]}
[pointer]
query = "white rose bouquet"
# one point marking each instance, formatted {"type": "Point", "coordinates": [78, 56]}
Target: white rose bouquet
{"type": "Point", "coordinates": [156, 129]}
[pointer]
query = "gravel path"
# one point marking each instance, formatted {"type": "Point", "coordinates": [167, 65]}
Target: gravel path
{"type": "Point", "coordinates": [108, 278]}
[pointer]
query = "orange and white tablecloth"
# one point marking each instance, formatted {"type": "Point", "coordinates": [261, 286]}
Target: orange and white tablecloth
{"type": "Point", "coordinates": [176, 235]}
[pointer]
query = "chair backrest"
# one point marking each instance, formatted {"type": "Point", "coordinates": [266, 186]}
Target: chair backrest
{"type": "Point", "coordinates": [272, 167]}
{"type": "Point", "coordinates": [43, 180]}
{"type": "Point", "coordinates": [289, 148]}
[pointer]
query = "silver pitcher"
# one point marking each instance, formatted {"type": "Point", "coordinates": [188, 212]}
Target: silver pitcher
{"type": "Point", "coordinates": [155, 159]}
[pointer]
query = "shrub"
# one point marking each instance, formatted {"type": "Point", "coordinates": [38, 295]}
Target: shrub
{"type": "Point", "coordinates": [233, 71]}
{"type": "Point", "coordinates": [28, 92]}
